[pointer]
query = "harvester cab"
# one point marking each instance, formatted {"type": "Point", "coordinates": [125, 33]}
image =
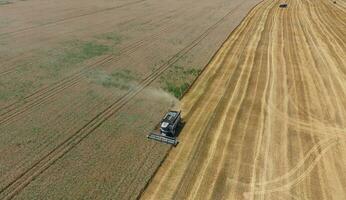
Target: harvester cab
{"type": "Point", "coordinates": [169, 126]}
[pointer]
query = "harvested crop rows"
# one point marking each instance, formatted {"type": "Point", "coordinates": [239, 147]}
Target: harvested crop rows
{"type": "Point", "coordinates": [266, 118]}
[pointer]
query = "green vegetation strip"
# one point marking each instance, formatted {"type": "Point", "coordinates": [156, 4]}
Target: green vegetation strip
{"type": "Point", "coordinates": [4, 2]}
{"type": "Point", "coordinates": [122, 79]}
{"type": "Point", "coordinates": [178, 79]}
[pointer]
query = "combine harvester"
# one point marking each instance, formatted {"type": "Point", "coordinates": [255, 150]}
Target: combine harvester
{"type": "Point", "coordinates": [283, 5]}
{"type": "Point", "coordinates": [169, 126]}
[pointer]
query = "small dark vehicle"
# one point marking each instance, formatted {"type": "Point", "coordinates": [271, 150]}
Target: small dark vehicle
{"type": "Point", "coordinates": [169, 126]}
{"type": "Point", "coordinates": [283, 5]}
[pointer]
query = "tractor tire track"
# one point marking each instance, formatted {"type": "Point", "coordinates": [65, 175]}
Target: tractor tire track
{"type": "Point", "coordinates": [14, 111]}
{"type": "Point", "coordinates": [160, 19]}
{"type": "Point", "coordinates": [71, 18]}
{"type": "Point", "coordinates": [43, 95]}
{"type": "Point", "coordinates": [25, 178]}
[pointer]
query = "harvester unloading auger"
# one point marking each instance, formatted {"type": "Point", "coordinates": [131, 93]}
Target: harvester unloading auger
{"type": "Point", "coordinates": [169, 128]}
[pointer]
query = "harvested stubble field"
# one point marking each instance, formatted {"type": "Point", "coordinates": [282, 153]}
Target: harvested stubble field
{"type": "Point", "coordinates": [267, 117]}
{"type": "Point", "coordinates": [82, 82]}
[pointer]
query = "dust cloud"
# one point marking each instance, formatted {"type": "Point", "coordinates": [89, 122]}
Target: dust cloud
{"type": "Point", "coordinates": [158, 94]}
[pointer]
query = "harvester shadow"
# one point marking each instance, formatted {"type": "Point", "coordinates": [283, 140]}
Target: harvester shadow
{"type": "Point", "coordinates": [180, 127]}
